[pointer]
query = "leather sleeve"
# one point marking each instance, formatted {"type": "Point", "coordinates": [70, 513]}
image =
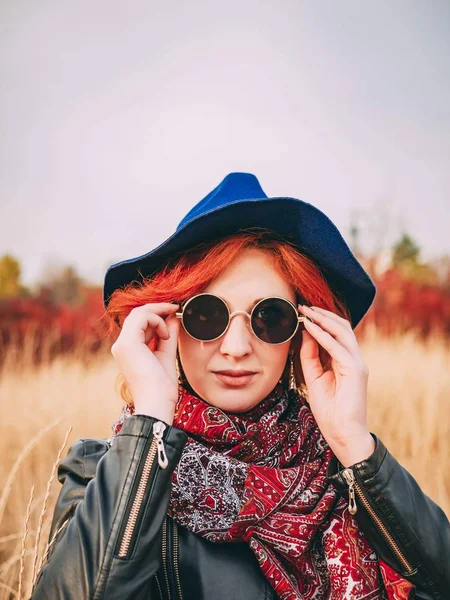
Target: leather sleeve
{"type": "Point", "coordinates": [100, 484]}
{"type": "Point", "coordinates": [417, 525]}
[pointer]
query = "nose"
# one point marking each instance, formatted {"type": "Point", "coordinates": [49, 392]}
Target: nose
{"type": "Point", "coordinates": [236, 341]}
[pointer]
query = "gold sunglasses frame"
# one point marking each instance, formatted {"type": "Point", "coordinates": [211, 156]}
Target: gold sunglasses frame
{"type": "Point", "coordinates": [300, 319]}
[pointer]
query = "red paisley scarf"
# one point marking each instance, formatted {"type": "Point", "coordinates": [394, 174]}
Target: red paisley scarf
{"type": "Point", "coordinates": [260, 477]}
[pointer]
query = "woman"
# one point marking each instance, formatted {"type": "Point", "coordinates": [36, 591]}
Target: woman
{"type": "Point", "coordinates": [242, 465]}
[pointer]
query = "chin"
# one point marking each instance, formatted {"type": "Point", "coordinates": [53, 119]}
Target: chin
{"type": "Point", "coordinates": [232, 400]}
{"type": "Point", "coordinates": [233, 407]}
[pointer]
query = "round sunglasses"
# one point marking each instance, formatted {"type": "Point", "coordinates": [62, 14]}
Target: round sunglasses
{"type": "Point", "coordinates": [206, 317]}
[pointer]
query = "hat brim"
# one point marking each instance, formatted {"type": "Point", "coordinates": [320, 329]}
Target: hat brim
{"type": "Point", "coordinates": [299, 222]}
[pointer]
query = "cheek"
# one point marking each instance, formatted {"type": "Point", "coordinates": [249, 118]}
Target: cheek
{"type": "Point", "coordinates": [275, 359]}
{"type": "Point", "coordinates": [195, 355]}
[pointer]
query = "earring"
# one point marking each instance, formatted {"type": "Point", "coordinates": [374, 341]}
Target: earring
{"type": "Point", "coordinates": [178, 367]}
{"type": "Point", "coordinates": [283, 377]}
{"type": "Point", "coordinates": [292, 380]}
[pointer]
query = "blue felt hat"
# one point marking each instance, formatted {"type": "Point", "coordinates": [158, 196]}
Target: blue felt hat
{"type": "Point", "coordinates": [239, 202]}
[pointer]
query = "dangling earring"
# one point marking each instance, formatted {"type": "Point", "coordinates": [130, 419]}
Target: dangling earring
{"type": "Point", "coordinates": [292, 380]}
{"type": "Point", "coordinates": [178, 367]}
{"type": "Point", "coordinates": [283, 377]}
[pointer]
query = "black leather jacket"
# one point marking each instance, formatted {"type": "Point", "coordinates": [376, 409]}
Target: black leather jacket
{"type": "Point", "coordinates": [111, 538]}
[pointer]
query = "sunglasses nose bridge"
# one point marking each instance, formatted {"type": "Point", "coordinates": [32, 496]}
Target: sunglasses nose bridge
{"type": "Point", "coordinates": [238, 312]}
{"type": "Point", "coordinates": [236, 341]}
{"type": "Point", "coordinates": [235, 313]}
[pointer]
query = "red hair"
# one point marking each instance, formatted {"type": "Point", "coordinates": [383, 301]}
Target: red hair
{"type": "Point", "coordinates": [190, 272]}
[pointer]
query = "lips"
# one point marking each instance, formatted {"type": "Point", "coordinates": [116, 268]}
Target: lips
{"type": "Point", "coordinates": [235, 372]}
{"type": "Point", "coordinates": [235, 378]}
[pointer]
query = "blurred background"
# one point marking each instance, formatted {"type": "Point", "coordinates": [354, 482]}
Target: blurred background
{"type": "Point", "coordinates": [117, 117]}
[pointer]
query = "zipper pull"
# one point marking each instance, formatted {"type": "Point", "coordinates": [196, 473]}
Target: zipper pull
{"type": "Point", "coordinates": [158, 430]}
{"type": "Point", "coordinates": [350, 479]}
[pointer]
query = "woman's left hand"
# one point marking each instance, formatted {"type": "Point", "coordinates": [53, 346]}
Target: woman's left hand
{"type": "Point", "coordinates": [338, 397]}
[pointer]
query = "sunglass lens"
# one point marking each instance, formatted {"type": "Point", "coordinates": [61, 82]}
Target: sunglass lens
{"type": "Point", "coordinates": [205, 317]}
{"type": "Point", "coordinates": [274, 320]}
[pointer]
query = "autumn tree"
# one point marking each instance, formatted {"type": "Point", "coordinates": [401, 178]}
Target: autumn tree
{"type": "Point", "coordinates": [10, 272]}
{"type": "Point", "coordinates": [62, 285]}
{"type": "Point", "coordinates": [406, 258]}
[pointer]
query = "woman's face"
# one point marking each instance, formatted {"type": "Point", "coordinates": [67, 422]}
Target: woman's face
{"type": "Point", "coordinates": [246, 280]}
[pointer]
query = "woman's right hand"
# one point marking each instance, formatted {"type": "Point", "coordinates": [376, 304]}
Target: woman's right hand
{"type": "Point", "coordinates": [151, 376]}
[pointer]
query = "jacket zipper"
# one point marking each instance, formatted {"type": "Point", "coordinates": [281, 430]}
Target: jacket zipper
{"type": "Point", "coordinates": [175, 560]}
{"type": "Point", "coordinates": [170, 551]}
{"type": "Point", "coordinates": [156, 449]}
{"type": "Point", "coordinates": [353, 485]}
{"type": "Point", "coordinates": [159, 587]}
{"type": "Point", "coordinates": [164, 559]}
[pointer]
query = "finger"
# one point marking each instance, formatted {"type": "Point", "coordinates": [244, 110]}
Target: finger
{"type": "Point", "coordinates": [158, 325]}
{"type": "Point", "coordinates": [309, 357]}
{"type": "Point", "coordinates": [332, 315]}
{"type": "Point", "coordinates": [159, 308]}
{"type": "Point", "coordinates": [166, 351]}
{"type": "Point", "coordinates": [327, 341]}
{"type": "Point", "coordinates": [169, 345]}
{"type": "Point", "coordinates": [147, 324]}
{"type": "Point", "coordinates": [162, 309]}
{"type": "Point", "coordinates": [335, 327]}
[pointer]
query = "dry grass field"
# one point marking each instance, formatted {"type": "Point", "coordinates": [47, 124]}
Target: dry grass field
{"type": "Point", "coordinates": [409, 392]}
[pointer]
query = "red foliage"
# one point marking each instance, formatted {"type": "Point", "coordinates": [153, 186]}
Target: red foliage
{"type": "Point", "coordinates": [61, 328]}
{"type": "Point", "coordinates": [401, 305]}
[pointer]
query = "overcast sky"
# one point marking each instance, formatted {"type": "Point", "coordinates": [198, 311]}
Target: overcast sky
{"type": "Point", "coordinates": [117, 117]}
